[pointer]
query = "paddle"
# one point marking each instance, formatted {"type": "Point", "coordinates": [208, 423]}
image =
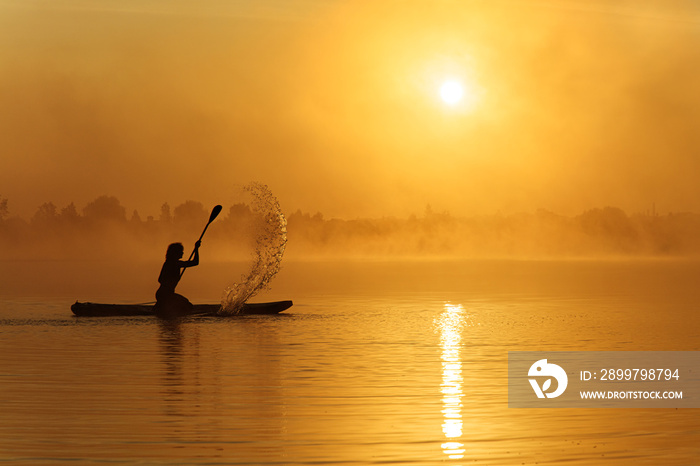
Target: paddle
{"type": "Point", "coordinates": [214, 213]}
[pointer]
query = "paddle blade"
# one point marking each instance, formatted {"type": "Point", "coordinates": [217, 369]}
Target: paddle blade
{"type": "Point", "coordinates": [215, 213]}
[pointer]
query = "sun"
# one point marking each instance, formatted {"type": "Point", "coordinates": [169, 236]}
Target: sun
{"type": "Point", "coordinates": [451, 92]}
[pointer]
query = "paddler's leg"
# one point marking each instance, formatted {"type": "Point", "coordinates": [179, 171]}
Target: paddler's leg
{"type": "Point", "coordinates": [174, 305]}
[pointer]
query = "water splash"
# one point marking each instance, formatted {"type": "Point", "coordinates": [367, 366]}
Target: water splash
{"type": "Point", "coordinates": [270, 242]}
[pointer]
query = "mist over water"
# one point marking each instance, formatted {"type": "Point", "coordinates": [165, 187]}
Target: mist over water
{"type": "Point", "coordinates": [270, 243]}
{"type": "Point", "coordinates": [398, 362]}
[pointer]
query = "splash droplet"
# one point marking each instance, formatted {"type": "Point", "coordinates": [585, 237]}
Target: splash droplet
{"type": "Point", "coordinates": [270, 243]}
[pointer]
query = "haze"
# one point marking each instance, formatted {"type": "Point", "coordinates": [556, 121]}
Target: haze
{"type": "Point", "coordinates": [335, 105]}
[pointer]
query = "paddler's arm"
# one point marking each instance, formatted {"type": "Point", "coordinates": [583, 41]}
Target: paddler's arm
{"type": "Point", "coordinates": [195, 260]}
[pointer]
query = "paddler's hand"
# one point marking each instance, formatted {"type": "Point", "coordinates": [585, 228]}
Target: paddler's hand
{"type": "Point", "coordinates": [197, 244]}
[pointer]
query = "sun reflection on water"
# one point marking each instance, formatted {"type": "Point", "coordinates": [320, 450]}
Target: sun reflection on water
{"type": "Point", "coordinates": [450, 325]}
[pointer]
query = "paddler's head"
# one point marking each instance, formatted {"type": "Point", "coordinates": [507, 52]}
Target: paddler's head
{"type": "Point", "coordinates": [175, 251]}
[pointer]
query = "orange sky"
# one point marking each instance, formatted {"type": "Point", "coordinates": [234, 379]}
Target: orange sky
{"type": "Point", "coordinates": [335, 105]}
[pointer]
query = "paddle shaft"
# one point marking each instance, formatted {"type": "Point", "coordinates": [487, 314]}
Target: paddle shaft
{"type": "Point", "coordinates": [214, 213]}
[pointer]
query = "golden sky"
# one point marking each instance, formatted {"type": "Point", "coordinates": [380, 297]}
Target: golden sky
{"type": "Point", "coordinates": [336, 105]}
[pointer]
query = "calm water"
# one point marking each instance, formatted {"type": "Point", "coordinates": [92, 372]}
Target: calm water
{"type": "Point", "coordinates": [376, 363]}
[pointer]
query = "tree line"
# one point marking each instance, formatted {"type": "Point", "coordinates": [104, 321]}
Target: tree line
{"type": "Point", "coordinates": [105, 229]}
{"type": "Point", "coordinates": [597, 232]}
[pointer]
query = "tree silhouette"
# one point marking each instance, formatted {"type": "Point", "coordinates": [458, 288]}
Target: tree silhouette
{"type": "Point", "coordinates": [105, 209]}
{"type": "Point", "coordinates": [103, 222]}
{"type": "Point", "coordinates": [4, 210]}
{"type": "Point", "coordinates": [165, 216]}
{"type": "Point", "coordinates": [69, 215]}
{"type": "Point", "coordinates": [190, 214]}
{"type": "Point", "coordinates": [46, 216]}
